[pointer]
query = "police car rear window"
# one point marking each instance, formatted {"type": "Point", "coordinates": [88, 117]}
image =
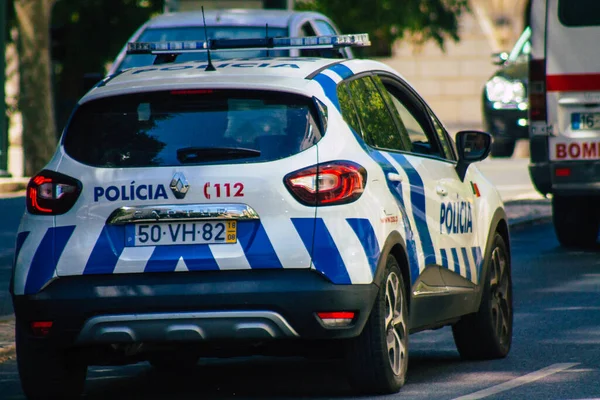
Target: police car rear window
{"type": "Point", "coordinates": [579, 13]}
{"type": "Point", "coordinates": [186, 127]}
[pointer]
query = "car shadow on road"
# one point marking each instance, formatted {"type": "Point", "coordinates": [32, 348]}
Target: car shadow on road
{"type": "Point", "coordinates": [249, 378]}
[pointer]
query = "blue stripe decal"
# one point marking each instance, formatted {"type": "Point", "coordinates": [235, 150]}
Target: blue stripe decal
{"type": "Point", "coordinates": [478, 257]}
{"type": "Point", "coordinates": [196, 257]}
{"type": "Point", "coordinates": [396, 190]}
{"type": "Point", "coordinates": [106, 251]}
{"type": "Point", "coordinates": [417, 197]}
{"type": "Point", "coordinates": [325, 255]}
{"type": "Point", "coordinates": [444, 258]}
{"type": "Point", "coordinates": [467, 263]}
{"type": "Point", "coordinates": [19, 244]}
{"type": "Point", "coordinates": [329, 87]}
{"type": "Point", "coordinates": [364, 231]}
{"type": "Point", "coordinates": [456, 261]}
{"type": "Point", "coordinates": [44, 260]}
{"type": "Point", "coordinates": [342, 70]}
{"type": "Point", "coordinates": [258, 248]}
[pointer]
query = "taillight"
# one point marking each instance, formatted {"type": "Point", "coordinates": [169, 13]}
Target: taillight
{"type": "Point", "coordinates": [41, 328]}
{"type": "Point", "coordinates": [537, 90]}
{"type": "Point", "coordinates": [51, 193]}
{"type": "Point", "coordinates": [336, 182]}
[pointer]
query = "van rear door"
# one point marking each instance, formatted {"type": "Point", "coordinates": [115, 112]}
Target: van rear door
{"type": "Point", "coordinates": [573, 79]}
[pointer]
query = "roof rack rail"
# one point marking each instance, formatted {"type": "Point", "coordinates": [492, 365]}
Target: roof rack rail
{"type": "Point", "coordinates": [281, 43]}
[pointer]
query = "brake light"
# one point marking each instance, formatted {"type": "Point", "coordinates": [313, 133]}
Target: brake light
{"type": "Point", "coordinates": [336, 318]}
{"type": "Point", "coordinates": [41, 328]}
{"type": "Point", "coordinates": [51, 193]}
{"type": "Point", "coordinates": [192, 91]}
{"type": "Point", "coordinates": [537, 90]}
{"type": "Point", "coordinates": [332, 183]}
{"type": "Point", "coordinates": [562, 172]}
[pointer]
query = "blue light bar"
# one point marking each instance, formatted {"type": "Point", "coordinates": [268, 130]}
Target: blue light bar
{"type": "Point", "coordinates": [308, 42]}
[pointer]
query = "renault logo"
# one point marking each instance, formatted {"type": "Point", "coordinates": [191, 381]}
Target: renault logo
{"type": "Point", "coordinates": [179, 185]}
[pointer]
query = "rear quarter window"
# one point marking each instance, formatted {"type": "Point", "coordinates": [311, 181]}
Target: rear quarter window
{"type": "Point", "coordinates": [188, 127]}
{"type": "Point", "coordinates": [576, 13]}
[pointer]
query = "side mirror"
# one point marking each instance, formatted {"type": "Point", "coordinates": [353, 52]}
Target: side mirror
{"type": "Point", "coordinates": [472, 146]}
{"type": "Point", "coordinates": [499, 58]}
{"type": "Point", "coordinates": [90, 79]}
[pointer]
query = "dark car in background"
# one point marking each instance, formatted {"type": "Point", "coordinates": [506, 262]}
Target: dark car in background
{"type": "Point", "coordinates": [505, 98]}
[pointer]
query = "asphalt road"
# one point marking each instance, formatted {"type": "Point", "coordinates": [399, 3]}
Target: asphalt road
{"type": "Point", "coordinates": [555, 354]}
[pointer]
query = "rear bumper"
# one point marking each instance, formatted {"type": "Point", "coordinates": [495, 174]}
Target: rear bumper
{"type": "Point", "coordinates": [193, 306]}
{"type": "Point", "coordinates": [582, 179]}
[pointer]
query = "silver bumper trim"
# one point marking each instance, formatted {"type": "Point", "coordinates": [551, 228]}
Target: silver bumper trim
{"type": "Point", "coordinates": [179, 212]}
{"type": "Point", "coordinates": [185, 327]}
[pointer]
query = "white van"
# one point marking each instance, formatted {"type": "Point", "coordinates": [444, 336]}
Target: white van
{"type": "Point", "coordinates": [564, 112]}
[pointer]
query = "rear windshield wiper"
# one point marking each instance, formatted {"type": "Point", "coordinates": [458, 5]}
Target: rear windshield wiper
{"type": "Point", "coordinates": [199, 154]}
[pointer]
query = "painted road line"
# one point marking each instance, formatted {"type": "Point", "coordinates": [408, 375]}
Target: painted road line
{"type": "Point", "coordinates": [522, 380]}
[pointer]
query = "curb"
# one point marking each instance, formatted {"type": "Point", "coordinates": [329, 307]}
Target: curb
{"type": "Point", "coordinates": [13, 185]}
{"type": "Point", "coordinates": [7, 339]}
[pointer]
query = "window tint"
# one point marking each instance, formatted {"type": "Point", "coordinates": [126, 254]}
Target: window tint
{"type": "Point", "coordinates": [191, 127]}
{"type": "Point", "coordinates": [324, 27]}
{"type": "Point", "coordinates": [378, 127]}
{"type": "Point", "coordinates": [415, 121]}
{"type": "Point", "coordinates": [579, 12]}
{"type": "Point", "coordinates": [522, 49]}
{"type": "Point", "coordinates": [443, 138]}
{"type": "Point", "coordinates": [347, 108]}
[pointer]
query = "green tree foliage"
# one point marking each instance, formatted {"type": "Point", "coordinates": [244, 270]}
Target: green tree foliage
{"type": "Point", "coordinates": [388, 20]}
{"type": "Point", "coordinates": [88, 34]}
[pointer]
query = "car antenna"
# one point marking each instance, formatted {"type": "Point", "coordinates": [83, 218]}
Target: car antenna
{"type": "Point", "coordinates": [267, 36]}
{"type": "Point", "coordinates": [210, 66]}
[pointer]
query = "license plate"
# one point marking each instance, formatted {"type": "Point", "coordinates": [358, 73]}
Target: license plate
{"type": "Point", "coordinates": [583, 121]}
{"type": "Point", "coordinates": [165, 234]}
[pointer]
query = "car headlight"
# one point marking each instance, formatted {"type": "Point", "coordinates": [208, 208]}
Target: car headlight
{"type": "Point", "coordinates": [499, 89]}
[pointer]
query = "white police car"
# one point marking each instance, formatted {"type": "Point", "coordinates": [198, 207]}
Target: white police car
{"type": "Point", "coordinates": [267, 205]}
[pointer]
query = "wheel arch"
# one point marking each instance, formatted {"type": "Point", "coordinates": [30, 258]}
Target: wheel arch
{"type": "Point", "coordinates": [395, 245]}
{"type": "Point", "coordinates": [498, 224]}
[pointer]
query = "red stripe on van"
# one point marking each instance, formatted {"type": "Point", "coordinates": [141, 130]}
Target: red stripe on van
{"type": "Point", "coordinates": [573, 83]}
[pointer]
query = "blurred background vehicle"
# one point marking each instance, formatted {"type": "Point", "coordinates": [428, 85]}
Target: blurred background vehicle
{"type": "Point", "coordinates": [231, 24]}
{"type": "Point", "coordinates": [504, 102]}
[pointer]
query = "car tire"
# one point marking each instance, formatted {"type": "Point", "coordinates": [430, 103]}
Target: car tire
{"type": "Point", "coordinates": [487, 334]}
{"type": "Point", "coordinates": [575, 221]}
{"type": "Point", "coordinates": [167, 362]}
{"type": "Point", "coordinates": [503, 148]}
{"type": "Point", "coordinates": [374, 366]}
{"type": "Point", "coordinates": [48, 372]}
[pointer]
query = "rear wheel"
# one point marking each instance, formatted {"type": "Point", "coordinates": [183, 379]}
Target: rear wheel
{"type": "Point", "coordinates": [378, 358]}
{"type": "Point", "coordinates": [575, 220]}
{"type": "Point", "coordinates": [487, 334]}
{"type": "Point", "coordinates": [48, 372]}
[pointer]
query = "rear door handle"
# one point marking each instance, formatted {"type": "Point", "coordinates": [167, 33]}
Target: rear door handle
{"type": "Point", "coordinates": [441, 190]}
{"type": "Point", "coordinates": [392, 176]}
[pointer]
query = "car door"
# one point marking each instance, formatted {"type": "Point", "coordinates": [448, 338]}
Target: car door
{"type": "Point", "coordinates": [446, 213]}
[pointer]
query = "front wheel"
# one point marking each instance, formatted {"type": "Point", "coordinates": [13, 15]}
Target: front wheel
{"type": "Point", "coordinates": [378, 358]}
{"type": "Point", "coordinates": [487, 334]}
{"type": "Point", "coordinates": [47, 372]}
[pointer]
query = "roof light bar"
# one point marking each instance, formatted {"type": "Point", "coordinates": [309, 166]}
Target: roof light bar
{"type": "Point", "coordinates": [308, 42]}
